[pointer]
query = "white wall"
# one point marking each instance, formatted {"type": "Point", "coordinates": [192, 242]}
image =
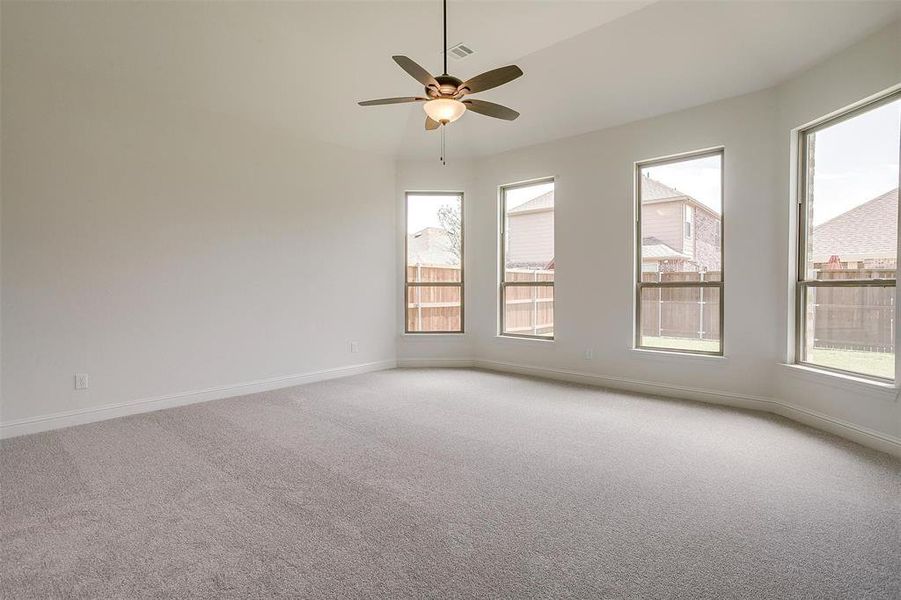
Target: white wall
{"type": "Point", "coordinates": [595, 245]}
{"type": "Point", "coordinates": [163, 249]}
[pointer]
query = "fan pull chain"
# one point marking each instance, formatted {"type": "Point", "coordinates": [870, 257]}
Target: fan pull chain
{"type": "Point", "coordinates": [443, 147]}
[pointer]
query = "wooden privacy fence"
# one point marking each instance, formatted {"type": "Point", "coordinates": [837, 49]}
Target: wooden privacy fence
{"type": "Point", "coordinates": [844, 318]}
{"type": "Point", "coordinates": [853, 318]}
{"type": "Point", "coordinates": [433, 308]}
{"type": "Point", "coordinates": [425, 273]}
{"type": "Point", "coordinates": [682, 312]}
{"type": "Point", "coordinates": [529, 309]}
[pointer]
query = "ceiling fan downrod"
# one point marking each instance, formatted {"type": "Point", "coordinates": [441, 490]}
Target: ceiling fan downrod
{"type": "Point", "coordinates": [442, 157]}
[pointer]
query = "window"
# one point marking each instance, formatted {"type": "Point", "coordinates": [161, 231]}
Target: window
{"type": "Point", "coordinates": [433, 297]}
{"type": "Point", "coordinates": [848, 241]}
{"type": "Point", "coordinates": [679, 275]}
{"type": "Point", "coordinates": [527, 260]}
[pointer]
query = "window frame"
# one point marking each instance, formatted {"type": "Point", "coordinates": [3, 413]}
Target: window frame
{"type": "Point", "coordinates": [802, 284]}
{"type": "Point", "coordinates": [641, 285]}
{"type": "Point", "coordinates": [460, 284]}
{"type": "Point", "coordinates": [502, 239]}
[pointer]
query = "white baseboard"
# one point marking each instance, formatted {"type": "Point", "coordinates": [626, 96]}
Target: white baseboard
{"type": "Point", "coordinates": [855, 433]}
{"type": "Point", "coordinates": [111, 411]}
{"type": "Point", "coordinates": [631, 385]}
{"type": "Point", "coordinates": [861, 435]}
{"type": "Point", "coordinates": [415, 363]}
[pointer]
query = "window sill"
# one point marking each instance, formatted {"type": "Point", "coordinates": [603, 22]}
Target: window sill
{"type": "Point", "coordinates": [675, 355]}
{"type": "Point", "coordinates": [431, 336]}
{"type": "Point", "coordinates": [517, 338]}
{"type": "Point", "coordinates": [848, 382]}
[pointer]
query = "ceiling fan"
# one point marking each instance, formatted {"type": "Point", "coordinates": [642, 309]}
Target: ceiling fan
{"type": "Point", "coordinates": [445, 98]}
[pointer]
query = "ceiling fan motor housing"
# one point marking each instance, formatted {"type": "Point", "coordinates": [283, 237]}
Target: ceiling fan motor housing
{"type": "Point", "coordinates": [447, 86]}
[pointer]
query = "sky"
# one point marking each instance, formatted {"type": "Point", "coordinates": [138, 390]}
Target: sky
{"type": "Point", "coordinates": [422, 211]}
{"type": "Point", "coordinates": [856, 161]}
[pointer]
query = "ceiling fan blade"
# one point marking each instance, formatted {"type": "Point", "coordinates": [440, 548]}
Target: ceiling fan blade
{"type": "Point", "coordinates": [490, 79]}
{"type": "Point", "coordinates": [490, 109]}
{"type": "Point", "coordinates": [392, 101]}
{"type": "Point", "coordinates": [415, 71]}
{"type": "Point", "coordinates": [431, 124]}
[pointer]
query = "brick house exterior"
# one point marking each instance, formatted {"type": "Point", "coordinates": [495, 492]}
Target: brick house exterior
{"type": "Point", "coordinates": [679, 233]}
{"type": "Point", "coordinates": [707, 241]}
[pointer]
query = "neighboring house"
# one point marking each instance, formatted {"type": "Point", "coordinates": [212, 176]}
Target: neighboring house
{"type": "Point", "coordinates": [430, 247]}
{"type": "Point", "coordinates": [530, 234]}
{"type": "Point", "coordinates": [865, 237]}
{"type": "Point", "coordinates": [678, 232]}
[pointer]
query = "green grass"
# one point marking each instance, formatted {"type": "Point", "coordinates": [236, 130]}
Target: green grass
{"type": "Point", "coordinates": [674, 343]}
{"type": "Point", "coordinates": [878, 364]}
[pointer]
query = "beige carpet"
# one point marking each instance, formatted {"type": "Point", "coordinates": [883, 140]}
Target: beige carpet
{"type": "Point", "coordinates": [447, 484]}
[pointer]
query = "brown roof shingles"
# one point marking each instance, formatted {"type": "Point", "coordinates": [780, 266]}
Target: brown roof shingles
{"type": "Point", "coordinates": [543, 202]}
{"type": "Point", "coordinates": [867, 231]}
{"type": "Point", "coordinates": [654, 191]}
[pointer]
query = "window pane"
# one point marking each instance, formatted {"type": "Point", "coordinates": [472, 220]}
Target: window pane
{"type": "Point", "coordinates": [681, 216]}
{"type": "Point", "coordinates": [529, 310]}
{"type": "Point", "coordinates": [434, 237]}
{"type": "Point", "coordinates": [681, 318]}
{"type": "Point", "coordinates": [852, 196]}
{"type": "Point", "coordinates": [434, 308]}
{"type": "Point", "coordinates": [850, 328]}
{"type": "Point", "coordinates": [529, 233]}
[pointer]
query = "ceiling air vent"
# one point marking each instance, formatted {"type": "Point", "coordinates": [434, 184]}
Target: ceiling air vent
{"type": "Point", "coordinates": [459, 52]}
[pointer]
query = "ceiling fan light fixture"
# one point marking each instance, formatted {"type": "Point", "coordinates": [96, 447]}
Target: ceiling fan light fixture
{"type": "Point", "coordinates": [444, 110]}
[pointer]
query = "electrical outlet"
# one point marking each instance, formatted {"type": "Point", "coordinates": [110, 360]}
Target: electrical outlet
{"type": "Point", "coordinates": [355, 347]}
{"type": "Point", "coordinates": [589, 354]}
{"type": "Point", "coordinates": [81, 381]}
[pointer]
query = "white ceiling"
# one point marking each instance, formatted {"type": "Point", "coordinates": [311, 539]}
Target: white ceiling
{"type": "Point", "coordinates": [301, 67]}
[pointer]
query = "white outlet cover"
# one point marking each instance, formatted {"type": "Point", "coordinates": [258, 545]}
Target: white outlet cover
{"type": "Point", "coordinates": [81, 381]}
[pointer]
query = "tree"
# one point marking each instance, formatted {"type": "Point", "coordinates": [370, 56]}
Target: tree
{"type": "Point", "coordinates": [451, 221]}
